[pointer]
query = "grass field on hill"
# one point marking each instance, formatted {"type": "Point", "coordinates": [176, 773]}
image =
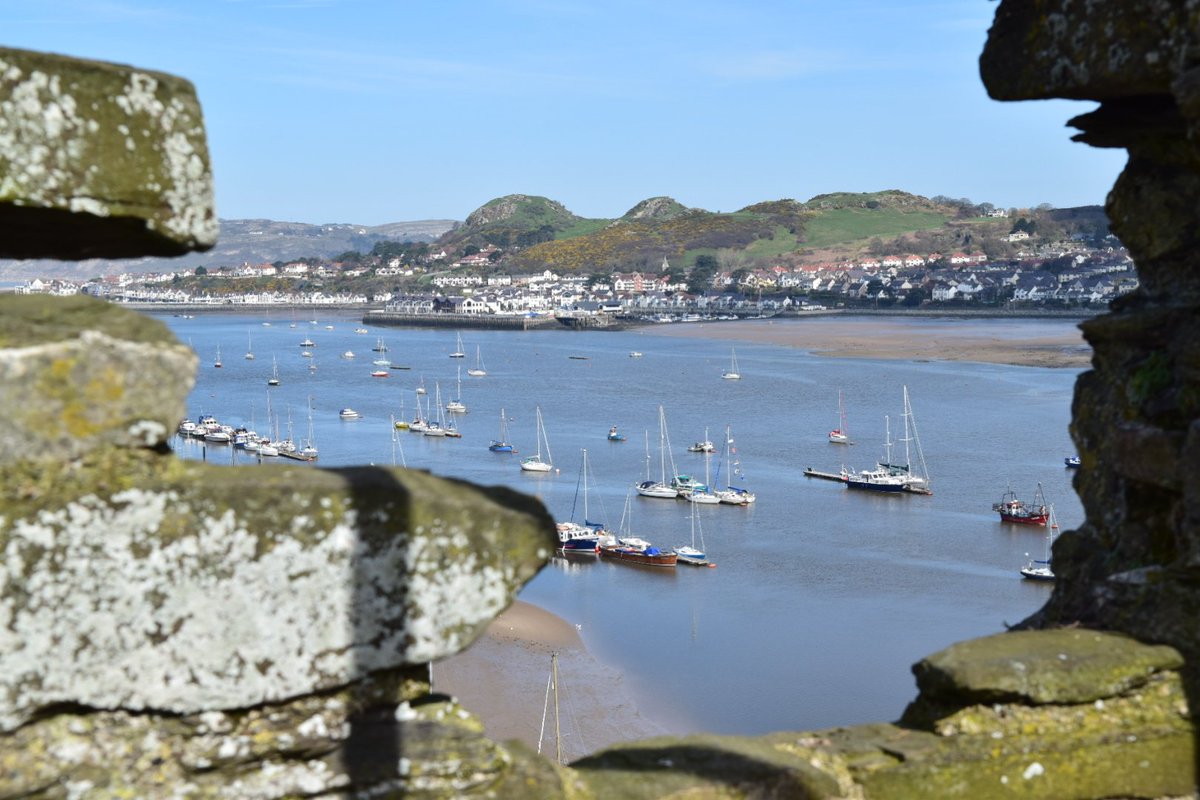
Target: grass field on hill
{"type": "Point", "coordinates": [846, 225]}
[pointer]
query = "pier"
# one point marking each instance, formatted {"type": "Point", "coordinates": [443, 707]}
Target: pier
{"type": "Point", "coordinates": [441, 320]}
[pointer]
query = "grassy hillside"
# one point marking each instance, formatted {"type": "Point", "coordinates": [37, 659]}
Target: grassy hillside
{"type": "Point", "coordinates": [843, 226]}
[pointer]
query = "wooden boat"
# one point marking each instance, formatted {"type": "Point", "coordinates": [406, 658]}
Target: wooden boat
{"type": "Point", "coordinates": [638, 551]}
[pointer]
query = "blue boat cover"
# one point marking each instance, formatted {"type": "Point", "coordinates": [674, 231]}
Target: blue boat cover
{"type": "Point", "coordinates": [652, 551]}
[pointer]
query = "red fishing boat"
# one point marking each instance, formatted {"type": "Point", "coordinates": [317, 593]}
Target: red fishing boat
{"type": "Point", "coordinates": [1012, 509]}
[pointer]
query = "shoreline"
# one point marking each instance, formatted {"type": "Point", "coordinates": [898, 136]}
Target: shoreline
{"type": "Point", "coordinates": [926, 338]}
{"type": "Point", "coordinates": [503, 678]}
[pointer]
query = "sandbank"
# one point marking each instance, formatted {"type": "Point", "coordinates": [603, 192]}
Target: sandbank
{"type": "Point", "coordinates": [502, 679]}
{"type": "Point", "coordinates": [1027, 343]}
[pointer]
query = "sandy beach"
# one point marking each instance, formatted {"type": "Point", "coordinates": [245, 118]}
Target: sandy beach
{"type": "Point", "coordinates": [502, 678]}
{"type": "Point", "coordinates": [1050, 343]}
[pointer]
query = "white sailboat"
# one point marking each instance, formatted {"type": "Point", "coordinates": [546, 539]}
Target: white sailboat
{"type": "Point", "coordinates": [658, 488]}
{"type": "Point", "coordinates": [732, 374]}
{"type": "Point", "coordinates": [217, 360]}
{"type": "Point", "coordinates": [249, 348]}
{"type": "Point", "coordinates": [436, 427]}
{"type": "Point", "coordinates": [535, 463]}
{"type": "Point", "coordinates": [840, 434]}
{"type": "Point", "coordinates": [691, 554]}
{"type": "Point", "coordinates": [477, 371]}
{"type": "Point", "coordinates": [702, 493]}
{"type": "Point", "coordinates": [732, 495]}
{"type": "Point", "coordinates": [1040, 569]}
{"type": "Point", "coordinates": [309, 450]}
{"type": "Point", "coordinates": [457, 406]}
{"type": "Point", "coordinates": [274, 379]}
{"type": "Point", "coordinates": [458, 347]}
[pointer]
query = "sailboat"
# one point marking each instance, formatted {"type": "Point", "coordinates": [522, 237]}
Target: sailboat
{"type": "Point", "coordinates": [249, 348]}
{"type": "Point", "coordinates": [502, 445]}
{"type": "Point", "coordinates": [217, 360]}
{"type": "Point", "coordinates": [477, 371]}
{"type": "Point", "coordinates": [309, 450]}
{"type": "Point", "coordinates": [627, 547]}
{"type": "Point", "coordinates": [691, 554]}
{"type": "Point", "coordinates": [732, 374]}
{"type": "Point", "coordinates": [732, 495]}
{"type": "Point", "coordinates": [379, 347]}
{"type": "Point", "coordinates": [274, 379]}
{"type": "Point", "coordinates": [695, 492]}
{"type": "Point", "coordinates": [458, 347]}
{"type": "Point", "coordinates": [400, 424]}
{"type": "Point", "coordinates": [457, 406]}
{"type": "Point", "coordinates": [421, 385]}
{"type": "Point", "coordinates": [660, 487]}
{"type": "Point", "coordinates": [888, 476]}
{"type": "Point", "coordinates": [840, 434]}
{"type": "Point", "coordinates": [535, 463]}
{"type": "Point", "coordinates": [418, 425]}
{"type": "Point", "coordinates": [580, 537]}
{"type": "Point", "coordinates": [435, 427]}
{"type": "Point", "coordinates": [1040, 570]}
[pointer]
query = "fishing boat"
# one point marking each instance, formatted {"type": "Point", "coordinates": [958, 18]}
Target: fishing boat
{"type": "Point", "coordinates": [274, 379]}
{"type": "Point", "coordinates": [502, 445]}
{"type": "Point", "coordinates": [1040, 569]}
{"type": "Point", "coordinates": [888, 476]}
{"type": "Point", "coordinates": [1071, 462]}
{"type": "Point", "coordinates": [731, 462]}
{"type": "Point", "coordinates": [477, 371]}
{"type": "Point", "coordinates": [658, 488]}
{"type": "Point", "coordinates": [349, 413]}
{"type": "Point", "coordinates": [732, 374]}
{"type": "Point", "coordinates": [614, 435]}
{"type": "Point", "coordinates": [535, 463]}
{"type": "Point", "coordinates": [580, 537]}
{"type": "Point", "coordinates": [458, 347]}
{"type": "Point", "coordinates": [691, 554]}
{"type": "Point", "coordinates": [840, 434]}
{"type": "Point", "coordinates": [1012, 509]}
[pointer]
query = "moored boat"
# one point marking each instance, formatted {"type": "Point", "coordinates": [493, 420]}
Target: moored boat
{"type": "Point", "coordinates": [1012, 509]}
{"type": "Point", "coordinates": [1071, 462]}
{"type": "Point", "coordinates": [638, 551]}
{"type": "Point", "coordinates": [349, 413]}
{"type": "Point", "coordinates": [1040, 569]}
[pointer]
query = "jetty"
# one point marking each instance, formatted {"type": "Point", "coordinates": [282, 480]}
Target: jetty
{"type": "Point", "coordinates": [509, 322]}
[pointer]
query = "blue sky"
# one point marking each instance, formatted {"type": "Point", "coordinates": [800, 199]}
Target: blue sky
{"type": "Point", "coordinates": [374, 111]}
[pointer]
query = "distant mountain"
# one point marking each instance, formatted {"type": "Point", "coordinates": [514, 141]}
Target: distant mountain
{"type": "Point", "coordinates": [245, 240]}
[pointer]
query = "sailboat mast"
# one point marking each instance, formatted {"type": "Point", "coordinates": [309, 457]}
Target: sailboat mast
{"type": "Point", "coordinates": [557, 731]}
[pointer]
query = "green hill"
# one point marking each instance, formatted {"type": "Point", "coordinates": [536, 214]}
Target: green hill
{"type": "Point", "coordinates": [537, 233]}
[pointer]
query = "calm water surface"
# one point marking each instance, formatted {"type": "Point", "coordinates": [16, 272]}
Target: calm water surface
{"type": "Point", "coordinates": [822, 598]}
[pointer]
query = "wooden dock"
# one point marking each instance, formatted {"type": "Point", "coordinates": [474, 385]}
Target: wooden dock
{"type": "Point", "coordinates": [825, 476]}
{"type": "Point", "coordinates": [809, 472]}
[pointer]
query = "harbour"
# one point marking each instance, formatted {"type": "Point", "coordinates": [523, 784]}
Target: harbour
{"type": "Point", "coordinates": [815, 583]}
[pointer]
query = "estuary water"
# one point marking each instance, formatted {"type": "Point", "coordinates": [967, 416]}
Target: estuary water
{"type": "Point", "coordinates": [822, 598]}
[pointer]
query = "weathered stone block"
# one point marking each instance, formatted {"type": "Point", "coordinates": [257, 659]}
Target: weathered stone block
{"type": "Point", "coordinates": [78, 373]}
{"type": "Point", "coordinates": [1048, 666]}
{"type": "Point", "coordinates": [100, 160]}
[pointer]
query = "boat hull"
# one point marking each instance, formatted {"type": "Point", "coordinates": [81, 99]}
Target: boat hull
{"type": "Point", "coordinates": [875, 486]}
{"type": "Point", "coordinates": [638, 557]}
{"type": "Point", "coordinates": [656, 489]}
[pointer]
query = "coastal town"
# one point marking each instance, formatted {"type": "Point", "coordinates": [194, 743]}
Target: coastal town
{"type": "Point", "coordinates": [1064, 275]}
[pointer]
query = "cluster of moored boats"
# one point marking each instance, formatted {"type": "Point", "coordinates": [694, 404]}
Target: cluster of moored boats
{"type": "Point", "coordinates": [208, 429]}
{"type": "Point", "coordinates": [593, 539]}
